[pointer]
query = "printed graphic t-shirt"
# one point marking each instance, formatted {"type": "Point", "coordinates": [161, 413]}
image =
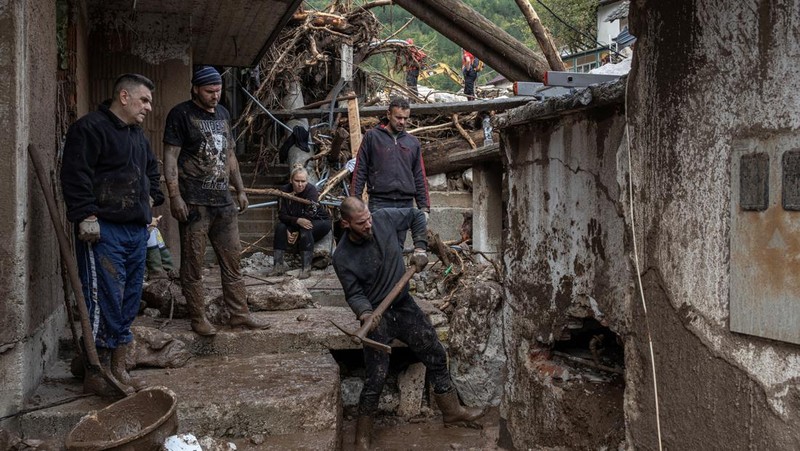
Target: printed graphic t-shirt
{"type": "Point", "coordinates": [204, 139]}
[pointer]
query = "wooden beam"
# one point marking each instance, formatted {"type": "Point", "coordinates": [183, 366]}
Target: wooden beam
{"type": "Point", "coordinates": [354, 121]}
{"type": "Point", "coordinates": [472, 156]}
{"type": "Point", "coordinates": [470, 30]}
{"type": "Point", "coordinates": [542, 36]}
{"type": "Point", "coordinates": [417, 109]}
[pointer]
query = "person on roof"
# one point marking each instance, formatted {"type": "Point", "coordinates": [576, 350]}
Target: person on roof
{"type": "Point", "coordinates": [470, 66]}
{"type": "Point", "coordinates": [415, 58]}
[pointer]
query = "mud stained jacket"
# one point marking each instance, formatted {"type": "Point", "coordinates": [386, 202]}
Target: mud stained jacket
{"type": "Point", "coordinates": [391, 168]}
{"type": "Point", "coordinates": [368, 269]}
{"type": "Point", "coordinates": [109, 170]}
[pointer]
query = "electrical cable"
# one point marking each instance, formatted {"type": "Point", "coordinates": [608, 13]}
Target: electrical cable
{"type": "Point", "coordinates": [591, 38]}
{"type": "Point", "coordinates": [637, 267]}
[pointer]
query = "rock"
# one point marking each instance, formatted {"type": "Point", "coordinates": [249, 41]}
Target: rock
{"type": "Point", "coordinates": [209, 444]}
{"type": "Point", "coordinates": [411, 384]}
{"type": "Point", "coordinates": [257, 439]}
{"type": "Point", "coordinates": [302, 317]}
{"type": "Point", "coordinates": [288, 294]}
{"type": "Point", "coordinates": [477, 358]}
{"type": "Point", "coordinates": [467, 177]}
{"type": "Point", "coordinates": [437, 182]}
{"type": "Point", "coordinates": [256, 263]}
{"type": "Point", "coordinates": [165, 296]}
{"type": "Point", "coordinates": [152, 313]}
{"type": "Point", "coordinates": [351, 390]}
{"type": "Point", "coordinates": [154, 348]}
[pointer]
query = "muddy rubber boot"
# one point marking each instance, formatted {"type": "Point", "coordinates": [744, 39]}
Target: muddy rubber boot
{"type": "Point", "coordinates": [95, 383]}
{"type": "Point", "coordinates": [278, 266]}
{"type": "Point", "coordinates": [119, 368]}
{"type": "Point", "coordinates": [155, 269]}
{"type": "Point", "coordinates": [305, 271]}
{"type": "Point", "coordinates": [454, 414]}
{"type": "Point", "coordinates": [197, 311]}
{"type": "Point", "coordinates": [363, 434]}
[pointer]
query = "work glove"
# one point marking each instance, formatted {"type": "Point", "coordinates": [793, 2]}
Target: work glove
{"type": "Point", "coordinates": [419, 259]}
{"type": "Point", "coordinates": [89, 230]}
{"type": "Point", "coordinates": [370, 317]}
{"type": "Point", "coordinates": [427, 216]}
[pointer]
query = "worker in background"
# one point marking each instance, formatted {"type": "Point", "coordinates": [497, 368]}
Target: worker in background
{"type": "Point", "coordinates": [470, 66]}
{"type": "Point", "coordinates": [299, 223]}
{"type": "Point", "coordinates": [390, 166]}
{"type": "Point", "coordinates": [110, 181]}
{"type": "Point", "coordinates": [199, 166]}
{"type": "Point", "coordinates": [368, 266]}
{"type": "Point", "coordinates": [415, 58]}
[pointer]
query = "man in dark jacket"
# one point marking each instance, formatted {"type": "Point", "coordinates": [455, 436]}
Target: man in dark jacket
{"type": "Point", "coordinates": [199, 166]}
{"type": "Point", "coordinates": [390, 165]}
{"type": "Point", "coordinates": [110, 181]}
{"type": "Point", "coordinates": [368, 265]}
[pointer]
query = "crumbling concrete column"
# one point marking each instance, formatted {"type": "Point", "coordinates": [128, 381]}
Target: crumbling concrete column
{"type": "Point", "coordinates": [31, 307]}
{"type": "Point", "coordinates": [487, 209]}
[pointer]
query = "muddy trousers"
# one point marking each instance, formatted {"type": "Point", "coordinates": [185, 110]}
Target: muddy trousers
{"type": "Point", "coordinates": [412, 75]}
{"type": "Point", "coordinates": [220, 226]}
{"type": "Point", "coordinates": [470, 76]}
{"type": "Point", "coordinates": [406, 322]}
{"type": "Point", "coordinates": [111, 273]}
{"type": "Point", "coordinates": [320, 228]}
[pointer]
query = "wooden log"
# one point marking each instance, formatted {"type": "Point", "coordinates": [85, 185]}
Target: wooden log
{"type": "Point", "coordinates": [471, 156]}
{"type": "Point", "coordinates": [463, 132]}
{"type": "Point", "coordinates": [417, 109]}
{"type": "Point", "coordinates": [334, 181]}
{"type": "Point", "coordinates": [467, 28]}
{"type": "Point", "coordinates": [542, 36]}
{"type": "Point", "coordinates": [336, 144]}
{"type": "Point", "coordinates": [436, 154]}
{"type": "Point", "coordinates": [277, 193]}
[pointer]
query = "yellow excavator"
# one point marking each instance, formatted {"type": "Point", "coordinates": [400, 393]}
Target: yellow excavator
{"type": "Point", "coordinates": [441, 68]}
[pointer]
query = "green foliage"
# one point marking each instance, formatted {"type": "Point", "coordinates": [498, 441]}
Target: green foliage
{"type": "Point", "coordinates": [580, 14]}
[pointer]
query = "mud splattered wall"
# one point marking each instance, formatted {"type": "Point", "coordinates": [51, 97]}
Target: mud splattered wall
{"type": "Point", "coordinates": [566, 261]}
{"type": "Point", "coordinates": [707, 75]}
{"type": "Point", "coordinates": [31, 302]}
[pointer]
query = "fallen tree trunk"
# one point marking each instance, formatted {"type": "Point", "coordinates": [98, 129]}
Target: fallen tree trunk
{"type": "Point", "coordinates": [467, 28]}
{"type": "Point", "coordinates": [436, 154]}
{"type": "Point", "coordinates": [542, 36]}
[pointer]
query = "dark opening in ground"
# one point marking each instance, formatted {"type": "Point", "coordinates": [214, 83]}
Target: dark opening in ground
{"type": "Point", "coordinates": [587, 342]}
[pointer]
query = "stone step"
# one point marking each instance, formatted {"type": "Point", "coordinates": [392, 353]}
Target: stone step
{"type": "Point", "coordinates": [223, 396]}
{"type": "Point", "coordinates": [291, 331]}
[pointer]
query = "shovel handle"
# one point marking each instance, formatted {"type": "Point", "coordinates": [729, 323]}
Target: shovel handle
{"type": "Point", "coordinates": [387, 301]}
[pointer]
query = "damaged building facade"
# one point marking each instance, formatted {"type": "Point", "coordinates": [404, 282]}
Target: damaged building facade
{"type": "Point", "coordinates": [713, 117]}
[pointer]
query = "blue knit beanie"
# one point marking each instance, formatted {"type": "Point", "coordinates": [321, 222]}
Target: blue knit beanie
{"type": "Point", "coordinates": [206, 75]}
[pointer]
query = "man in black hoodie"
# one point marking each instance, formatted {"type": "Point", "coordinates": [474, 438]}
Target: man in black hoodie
{"type": "Point", "coordinates": [390, 165]}
{"type": "Point", "coordinates": [368, 265]}
{"type": "Point", "coordinates": [110, 181]}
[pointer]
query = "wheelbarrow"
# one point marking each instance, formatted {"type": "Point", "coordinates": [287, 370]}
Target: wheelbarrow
{"type": "Point", "coordinates": [139, 422]}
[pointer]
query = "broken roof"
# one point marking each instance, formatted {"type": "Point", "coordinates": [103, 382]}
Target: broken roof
{"type": "Point", "coordinates": [620, 12]}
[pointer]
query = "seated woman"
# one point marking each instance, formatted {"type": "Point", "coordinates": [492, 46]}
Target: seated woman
{"type": "Point", "coordinates": [306, 223]}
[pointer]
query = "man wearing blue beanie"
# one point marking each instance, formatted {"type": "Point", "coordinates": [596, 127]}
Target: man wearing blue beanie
{"type": "Point", "coordinates": [199, 165]}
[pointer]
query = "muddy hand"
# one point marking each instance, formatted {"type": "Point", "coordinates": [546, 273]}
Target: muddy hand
{"type": "Point", "coordinates": [178, 208]}
{"type": "Point", "coordinates": [375, 320]}
{"type": "Point", "coordinates": [89, 230]}
{"type": "Point", "coordinates": [419, 259]}
{"type": "Point", "coordinates": [243, 202]}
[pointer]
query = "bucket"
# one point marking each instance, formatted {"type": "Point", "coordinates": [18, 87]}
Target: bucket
{"type": "Point", "coordinates": [140, 422]}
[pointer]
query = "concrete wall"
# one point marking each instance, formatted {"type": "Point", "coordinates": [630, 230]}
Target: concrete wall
{"type": "Point", "coordinates": [31, 302]}
{"type": "Point", "coordinates": [723, 71]}
{"type": "Point", "coordinates": [565, 251]}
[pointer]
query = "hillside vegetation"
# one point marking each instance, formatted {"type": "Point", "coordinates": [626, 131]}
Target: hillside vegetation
{"type": "Point", "coordinates": [580, 14]}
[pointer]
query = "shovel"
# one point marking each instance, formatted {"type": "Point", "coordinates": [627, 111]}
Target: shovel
{"type": "Point", "coordinates": [72, 270]}
{"type": "Point", "coordinates": [360, 336]}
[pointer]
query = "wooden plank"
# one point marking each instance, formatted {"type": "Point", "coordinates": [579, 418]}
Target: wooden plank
{"type": "Point", "coordinates": [472, 156]}
{"type": "Point", "coordinates": [354, 121]}
{"type": "Point", "coordinates": [417, 109]}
